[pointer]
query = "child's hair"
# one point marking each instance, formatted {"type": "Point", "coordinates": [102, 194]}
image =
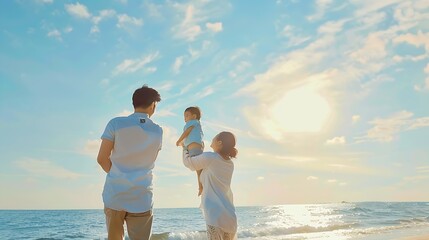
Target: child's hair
{"type": "Point", "coordinates": [228, 144]}
{"type": "Point", "coordinates": [194, 110]}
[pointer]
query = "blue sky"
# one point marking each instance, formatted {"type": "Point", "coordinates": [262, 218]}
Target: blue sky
{"type": "Point", "coordinates": [328, 99]}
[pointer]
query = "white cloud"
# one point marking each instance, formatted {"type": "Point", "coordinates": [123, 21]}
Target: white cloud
{"type": "Point", "coordinates": [124, 113]}
{"type": "Point", "coordinates": [321, 7]}
{"type": "Point", "coordinates": [417, 40]}
{"type": "Point", "coordinates": [373, 19]}
{"type": "Point", "coordinates": [78, 10]}
{"type": "Point", "coordinates": [68, 30]}
{"type": "Point", "coordinates": [91, 147]}
{"type": "Point", "coordinates": [150, 69]}
{"type": "Point", "coordinates": [421, 4]}
{"type": "Point", "coordinates": [133, 65]}
{"type": "Point", "coordinates": [355, 118]}
{"type": "Point", "coordinates": [387, 129]}
{"type": "Point", "coordinates": [260, 178]}
{"type": "Point", "coordinates": [336, 141]}
{"type": "Point", "coordinates": [45, 1]}
{"type": "Point", "coordinates": [294, 38]}
{"type": "Point", "coordinates": [95, 29]}
{"type": "Point", "coordinates": [103, 14]}
{"type": "Point", "coordinates": [298, 159]}
{"type": "Point", "coordinates": [322, 163]}
{"type": "Point", "coordinates": [44, 168]}
{"type": "Point", "coordinates": [165, 113]}
{"type": "Point", "coordinates": [312, 178]}
{"type": "Point", "coordinates": [411, 13]}
{"type": "Point", "coordinates": [205, 92]}
{"type": "Point", "coordinates": [240, 53]}
{"type": "Point", "coordinates": [153, 10]}
{"type": "Point", "coordinates": [194, 54]}
{"type": "Point", "coordinates": [185, 89]}
{"type": "Point", "coordinates": [365, 7]}
{"type": "Point", "coordinates": [332, 181]}
{"type": "Point", "coordinates": [374, 49]}
{"type": "Point", "coordinates": [415, 179]}
{"type": "Point", "coordinates": [422, 169]}
{"type": "Point", "coordinates": [373, 82]}
{"type": "Point", "coordinates": [241, 66]}
{"type": "Point", "coordinates": [332, 27]}
{"type": "Point", "coordinates": [165, 86]}
{"type": "Point", "coordinates": [214, 27]}
{"type": "Point", "coordinates": [105, 82]}
{"type": "Point", "coordinates": [423, 87]}
{"type": "Point", "coordinates": [418, 123]}
{"type": "Point", "coordinates": [189, 28]}
{"type": "Point", "coordinates": [126, 22]}
{"type": "Point", "coordinates": [55, 34]}
{"type": "Point", "coordinates": [178, 64]}
{"type": "Point", "coordinates": [426, 83]}
{"type": "Point", "coordinates": [192, 16]}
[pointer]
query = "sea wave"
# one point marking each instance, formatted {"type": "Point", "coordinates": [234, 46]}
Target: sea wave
{"type": "Point", "coordinates": [275, 232]}
{"type": "Point", "coordinates": [384, 229]}
{"type": "Point", "coordinates": [195, 235]}
{"type": "Point", "coordinates": [361, 210]}
{"type": "Point", "coordinates": [280, 231]}
{"type": "Point", "coordinates": [252, 232]}
{"type": "Point", "coordinates": [414, 220]}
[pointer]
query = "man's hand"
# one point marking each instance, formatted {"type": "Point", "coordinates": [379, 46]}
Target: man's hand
{"type": "Point", "coordinates": [103, 157]}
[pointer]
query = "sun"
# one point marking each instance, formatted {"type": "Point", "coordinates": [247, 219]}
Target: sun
{"type": "Point", "coordinates": [300, 110]}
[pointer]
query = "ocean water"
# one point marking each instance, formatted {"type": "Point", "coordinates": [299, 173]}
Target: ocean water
{"type": "Point", "coordinates": [367, 220]}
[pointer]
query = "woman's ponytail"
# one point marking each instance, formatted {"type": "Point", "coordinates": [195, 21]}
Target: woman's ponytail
{"type": "Point", "coordinates": [228, 145]}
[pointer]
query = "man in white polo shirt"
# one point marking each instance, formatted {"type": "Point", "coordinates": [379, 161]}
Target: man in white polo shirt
{"type": "Point", "coordinates": [127, 154]}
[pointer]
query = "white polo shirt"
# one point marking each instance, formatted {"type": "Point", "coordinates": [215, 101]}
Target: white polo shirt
{"type": "Point", "coordinates": [217, 201]}
{"type": "Point", "coordinates": [137, 141]}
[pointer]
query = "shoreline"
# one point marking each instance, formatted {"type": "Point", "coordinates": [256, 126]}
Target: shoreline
{"type": "Point", "coordinates": [416, 237]}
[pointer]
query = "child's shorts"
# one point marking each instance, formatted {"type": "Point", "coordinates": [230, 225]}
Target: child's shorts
{"type": "Point", "coordinates": [195, 151]}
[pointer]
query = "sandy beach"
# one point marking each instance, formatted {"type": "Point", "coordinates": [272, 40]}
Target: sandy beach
{"type": "Point", "coordinates": [419, 237]}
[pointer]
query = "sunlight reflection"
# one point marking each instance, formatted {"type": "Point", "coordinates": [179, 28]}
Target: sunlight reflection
{"type": "Point", "coordinates": [313, 221]}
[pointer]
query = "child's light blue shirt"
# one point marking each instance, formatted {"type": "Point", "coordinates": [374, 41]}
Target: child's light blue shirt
{"type": "Point", "coordinates": [196, 135]}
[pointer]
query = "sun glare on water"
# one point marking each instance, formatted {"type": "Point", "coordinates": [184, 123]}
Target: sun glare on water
{"type": "Point", "coordinates": [300, 110]}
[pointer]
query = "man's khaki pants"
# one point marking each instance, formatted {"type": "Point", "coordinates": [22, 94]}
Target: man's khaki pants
{"type": "Point", "coordinates": [139, 225]}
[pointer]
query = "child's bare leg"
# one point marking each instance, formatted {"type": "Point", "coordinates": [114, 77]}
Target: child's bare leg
{"type": "Point", "coordinates": [200, 186]}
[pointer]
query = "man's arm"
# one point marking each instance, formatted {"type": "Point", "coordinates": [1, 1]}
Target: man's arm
{"type": "Point", "coordinates": [185, 134]}
{"type": "Point", "coordinates": [104, 153]}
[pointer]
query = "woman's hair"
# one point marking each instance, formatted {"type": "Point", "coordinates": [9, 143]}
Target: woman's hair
{"type": "Point", "coordinates": [145, 96]}
{"type": "Point", "coordinates": [194, 110]}
{"type": "Point", "coordinates": [228, 145]}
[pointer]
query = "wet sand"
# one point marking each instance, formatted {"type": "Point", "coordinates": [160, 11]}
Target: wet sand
{"type": "Point", "coordinates": [420, 237]}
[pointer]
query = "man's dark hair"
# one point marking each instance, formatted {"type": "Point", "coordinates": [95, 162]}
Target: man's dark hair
{"type": "Point", "coordinates": [194, 110]}
{"type": "Point", "coordinates": [143, 97]}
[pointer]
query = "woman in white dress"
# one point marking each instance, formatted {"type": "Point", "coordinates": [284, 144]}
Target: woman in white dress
{"type": "Point", "coordinates": [217, 199]}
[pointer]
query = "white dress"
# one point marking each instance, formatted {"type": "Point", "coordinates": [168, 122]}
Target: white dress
{"type": "Point", "coordinates": [217, 198]}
